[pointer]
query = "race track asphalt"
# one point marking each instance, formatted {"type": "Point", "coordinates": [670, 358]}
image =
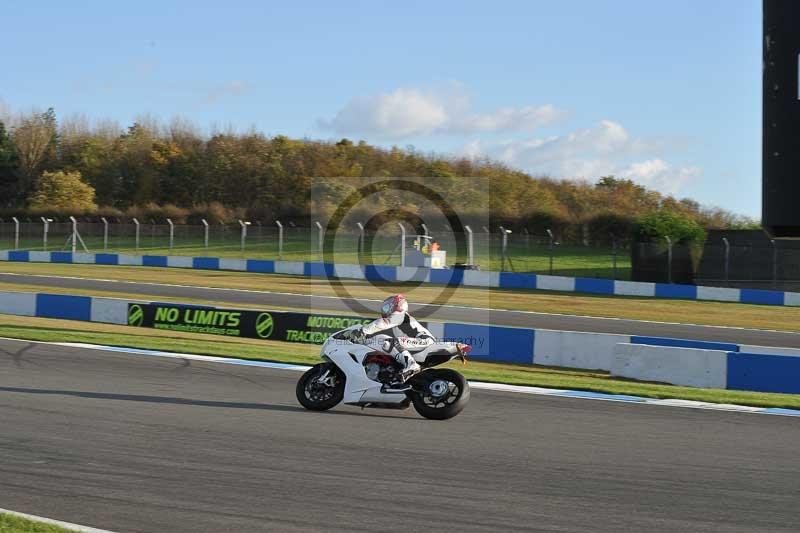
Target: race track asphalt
{"type": "Point", "coordinates": [133, 443]}
{"type": "Point", "coordinates": [440, 313]}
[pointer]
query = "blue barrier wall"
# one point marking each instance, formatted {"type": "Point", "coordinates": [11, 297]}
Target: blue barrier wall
{"type": "Point", "coordinates": [764, 372]}
{"type": "Point", "coordinates": [454, 277]}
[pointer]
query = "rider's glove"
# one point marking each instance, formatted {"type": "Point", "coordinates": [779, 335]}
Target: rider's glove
{"type": "Point", "coordinates": [357, 336]}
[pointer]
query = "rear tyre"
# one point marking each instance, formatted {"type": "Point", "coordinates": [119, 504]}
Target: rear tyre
{"type": "Point", "coordinates": [444, 394]}
{"type": "Point", "coordinates": [318, 393]}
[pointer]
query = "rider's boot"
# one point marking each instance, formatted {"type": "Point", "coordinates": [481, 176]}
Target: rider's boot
{"type": "Point", "coordinates": [410, 367]}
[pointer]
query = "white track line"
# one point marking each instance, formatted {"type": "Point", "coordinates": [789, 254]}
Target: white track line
{"type": "Point", "coordinates": [500, 387]}
{"type": "Point", "coordinates": [59, 523]}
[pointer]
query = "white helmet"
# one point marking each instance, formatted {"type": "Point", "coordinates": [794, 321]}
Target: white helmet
{"type": "Point", "coordinates": [394, 304]}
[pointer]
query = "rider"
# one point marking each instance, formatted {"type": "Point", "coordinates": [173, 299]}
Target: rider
{"type": "Point", "coordinates": [404, 334]}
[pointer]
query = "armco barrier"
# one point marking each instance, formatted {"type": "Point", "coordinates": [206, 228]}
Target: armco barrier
{"type": "Point", "coordinates": [503, 280]}
{"type": "Point", "coordinates": [685, 362]}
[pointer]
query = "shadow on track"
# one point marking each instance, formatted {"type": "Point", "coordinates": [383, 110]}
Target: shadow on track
{"type": "Point", "coordinates": [181, 401]}
{"type": "Point", "coordinates": [18, 355]}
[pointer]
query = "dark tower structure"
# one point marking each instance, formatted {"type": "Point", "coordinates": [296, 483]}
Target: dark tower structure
{"type": "Point", "coordinates": [781, 119]}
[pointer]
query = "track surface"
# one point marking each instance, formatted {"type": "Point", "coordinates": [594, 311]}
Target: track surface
{"type": "Point", "coordinates": [444, 313]}
{"type": "Point", "coordinates": [133, 443]}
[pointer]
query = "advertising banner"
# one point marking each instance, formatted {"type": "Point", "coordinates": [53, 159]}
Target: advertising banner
{"type": "Point", "coordinates": [269, 325]}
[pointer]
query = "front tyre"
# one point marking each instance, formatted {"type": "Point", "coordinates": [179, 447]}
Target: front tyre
{"type": "Point", "coordinates": [440, 394]}
{"type": "Point", "coordinates": [321, 387]}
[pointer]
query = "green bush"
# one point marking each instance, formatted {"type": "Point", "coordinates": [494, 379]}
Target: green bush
{"type": "Point", "coordinates": [661, 224]}
{"type": "Point", "coordinates": [62, 190]}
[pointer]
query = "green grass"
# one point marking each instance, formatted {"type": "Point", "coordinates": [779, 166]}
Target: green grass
{"type": "Point", "coordinates": [522, 257]}
{"type": "Point", "coordinates": [639, 308]}
{"type": "Point", "coordinates": [64, 331]}
{"type": "Point", "coordinates": [14, 524]}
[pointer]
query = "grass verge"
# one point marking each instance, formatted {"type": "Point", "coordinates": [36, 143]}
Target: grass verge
{"type": "Point", "coordinates": [638, 308]}
{"type": "Point", "coordinates": [15, 524]}
{"type": "Point", "coordinates": [567, 260]}
{"type": "Point", "coordinates": [49, 330]}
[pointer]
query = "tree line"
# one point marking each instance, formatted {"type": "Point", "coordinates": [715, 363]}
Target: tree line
{"type": "Point", "coordinates": [76, 166]}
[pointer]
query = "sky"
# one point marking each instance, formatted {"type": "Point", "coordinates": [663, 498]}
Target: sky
{"type": "Point", "coordinates": [664, 92]}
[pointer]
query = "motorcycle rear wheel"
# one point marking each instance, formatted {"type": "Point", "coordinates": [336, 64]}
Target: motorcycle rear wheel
{"type": "Point", "coordinates": [316, 396]}
{"type": "Point", "coordinates": [436, 402]}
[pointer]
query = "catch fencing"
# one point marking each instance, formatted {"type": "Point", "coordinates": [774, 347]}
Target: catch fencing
{"type": "Point", "coordinates": [738, 259]}
{"type": "Point", "coordinates": [496, 250]}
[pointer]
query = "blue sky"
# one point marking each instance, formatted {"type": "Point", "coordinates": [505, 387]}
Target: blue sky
{"type": "Point", "coordinates": [664, 92]}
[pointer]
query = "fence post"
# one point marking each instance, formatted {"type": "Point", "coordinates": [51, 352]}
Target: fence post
{"type": "Point", "coordinates": [774, 263]}
{"type": "Point", "coordinates": [244, 233]}
{"type": "Point", "coordinates": [105, 233]}
{"type": "Point", "coordinates": [171, 234]}
{"type": "Point", "coordinates": [402, 244]}
{"type": "Point", "coordinates": [46, 222]}
{"type": "Point", "coordinates": [319, 238]}
{"type": "Point", "coordinates": [136, 226]}
{"type": "Point", "coordinates": [669, 259]}
{"type": "Point", "coordinates": [74, 233]}
{"type": "Point", "coordinates": [613, 256]}
{"type": "Point", "coordinates": [205, 234]}
{"type": "Point", "coordinates": [280, 238]}
{"type": "Point", "coordinates": [727, 259]}
{"type": "Point", "coordinates": [551, 248]}
{"type": "Point", "coordinates": [470, 249]}
{"type": "Point", "coordinates": [16, 232]}
{"type": "Point", "coordinates": [527, 237]}
{"type": "Point", "coordinates": [504, 249]}
{"type": "Point", "coordinates": [425, 229]}
{"type": "Point", "coordinates": [360, 239]}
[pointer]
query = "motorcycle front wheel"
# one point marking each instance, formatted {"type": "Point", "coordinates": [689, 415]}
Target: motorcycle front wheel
{"type": "Point", "coordinates": [318, 391]}
{"type": "Point", "coordinates": [444, 393]}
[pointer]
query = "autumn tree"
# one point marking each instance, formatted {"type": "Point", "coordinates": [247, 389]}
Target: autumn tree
{"type": "Point", "coordinates": [62, 191]}
{"type": "Point", "coordinates": [36, 140]}
{"type": "Point", "coordinates": [9, 168]}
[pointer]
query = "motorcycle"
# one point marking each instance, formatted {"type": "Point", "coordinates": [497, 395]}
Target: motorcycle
{"type": "Point", "coordinates": [360, 374]}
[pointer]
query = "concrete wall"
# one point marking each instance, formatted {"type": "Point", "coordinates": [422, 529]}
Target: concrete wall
{"type": "Point", "coordinates": [690, 367]}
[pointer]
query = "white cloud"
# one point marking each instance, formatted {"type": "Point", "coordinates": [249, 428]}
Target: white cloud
{"type": "Point", "coordinates": [604, 149]}
{"type": "Point", "coordinates": [232, 88]}
{"type": "Point", "coordinates": [659, 175]}
{"type": "Point", "coordinates": [407, 112]}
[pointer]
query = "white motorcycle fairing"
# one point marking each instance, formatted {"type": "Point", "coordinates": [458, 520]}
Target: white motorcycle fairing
{"type": "Point", "coordinates": [360, 389]}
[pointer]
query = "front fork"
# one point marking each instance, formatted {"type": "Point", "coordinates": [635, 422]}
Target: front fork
{"type": "Point", "coordinates": [325, 376]}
